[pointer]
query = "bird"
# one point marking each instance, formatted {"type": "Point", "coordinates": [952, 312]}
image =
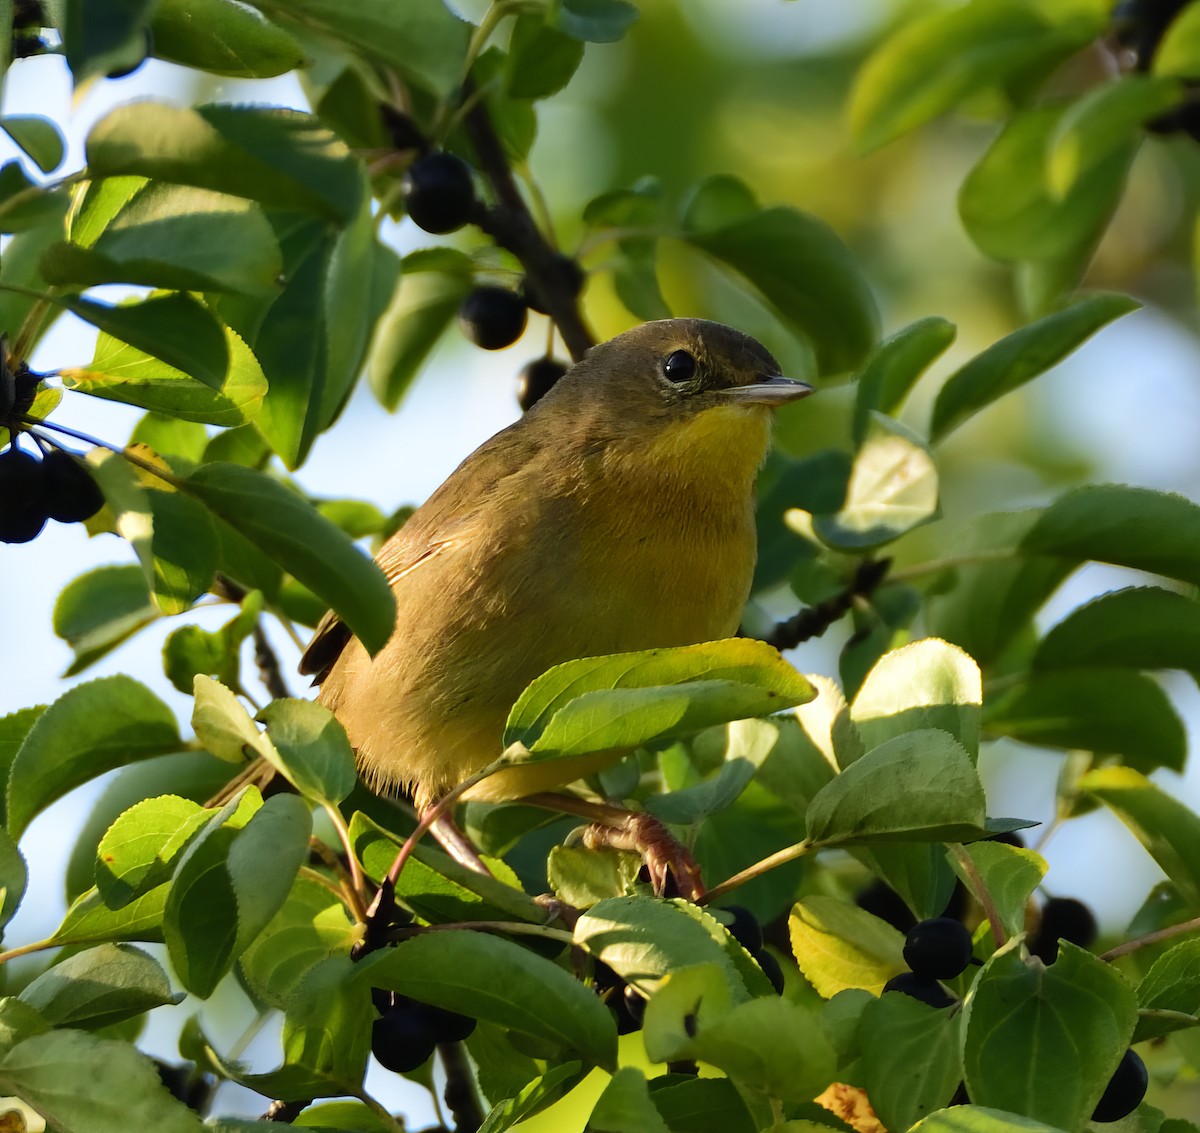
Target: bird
{"type": "Point", "coordinates": [616, 515]}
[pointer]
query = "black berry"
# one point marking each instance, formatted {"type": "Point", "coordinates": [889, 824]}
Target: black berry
{"type": "Point", "coordinates": [1125, 1089]}
{"type": "Point", "coordinates": [1063, 918]}
{"type": "Point", "coordinates": [536, 379]}
{"type": "Point", "coordinates": [401, 1040]}
{"type": "Point", "coordinates": [629, 1009]}
{"type": "Point", "coordinates": [771, 969]}
{"type": "Point", "coordinates": [23, 511]}
{"type": "Point", "coordinates": [446, 1026]}
{"type": "Point", "coordinates": [492, 317]}
{"type": "Point", "coordinates": [402, 129]}
{"type": "Point", "coordinates": [939, 949]}
{"type": "Point", "coordinates": [562, 275]}
{"type": "Point", "coordinates": [743, 926]}
{"type": "Point", "coordinates": [923, 988]}
{"type": "Point", "coordinates": [882, 901]}
{"type": "Point", "coordinates": [71, 494]}
{"type": "Point", "coordinates": [439, 193]}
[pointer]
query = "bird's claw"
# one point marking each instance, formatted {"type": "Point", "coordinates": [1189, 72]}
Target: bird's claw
{"type": "Point", "coordinates": [667, 860]}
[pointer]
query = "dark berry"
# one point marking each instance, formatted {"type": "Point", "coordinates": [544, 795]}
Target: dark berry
{"type": "Point", "coordinates": [562, 275]}
{"type": "Point", "coordinates": [401, 1040]}
{"type": "Point", "coordinates": [71, 494]}
{"type": "Point", "coordinates": [882, 901]}
{"type": "Point", "coordinates": [1141, 24]}
{"type": "Point", "coordinates": [956, 908]}
{"type": "Point", "coordinates": [492, 317]}
{"type": "Point", "coordinates": [536, 380]}
{"type": "Point", "coordinates": [439, 192]}
{"type": "Point", "coordinates": [402, 130]}
{"type": "Point", "coordinates": [23, 511]}
{"type": "Point", "coordinates": [771, 969]}
{"type": "Point", "coordinates": [923, 988]}
{"type": "Point", "coordinates": [1125, 1089]}
{"type": "Point", "coordinates": [743, 926]}
{"type": "Point", "coordinates": [1063, 918]}
{"type": "Point", "coordinates": [939, 949]}
{"type": "Point", "coordinates": [446, 1026]}
{"type": "Point", "coordinates": [629, 1009]}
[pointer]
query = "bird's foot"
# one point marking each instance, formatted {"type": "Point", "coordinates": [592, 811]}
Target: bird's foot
{"type": "Point", "coordinates": [457, 844]}
{"type": "Point", "coordinates": [667, 860]}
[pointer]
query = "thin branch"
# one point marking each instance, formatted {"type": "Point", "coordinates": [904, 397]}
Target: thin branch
{"type": "Point", "coordinates": [510, 928]}
{"type": "Point", "coordinates": [512, 226]}
{"type": "Point", "coordinates": [285, 1112]}
{"type": "Point", "coordinates": [358, 888]}
{"type": "Point", "coordinates": [1151, 938]}
{"type": "Point", "coordinates": [772, 861]}
{"type": "Point", "coordinates": [815, 620]}
{"type": "Point", "coordinates": [459, 1093]}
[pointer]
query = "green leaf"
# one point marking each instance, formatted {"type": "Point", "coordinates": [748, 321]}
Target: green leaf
{"type": "Point", "coordinates": [307, 546]}
{"type": "Point", "coordinates": [1178, 52]}
{"type": "Point", "coordinates": [839, 946]}
{"type": "Point", "coordinates": [1010, 875]}
{"type": "Point", "coordinates": [657, 691]}
{"type": "Point", "coordinates": [1044, 1042]}
{"type": "Point", "coordinates": [643, 939]}
{"type": "Point", "coordinates": [1018, 204]}
{"type": "Point", "coordinates": [911, 1065]}
{"type": "Point", "coordinates": [39, 137]}
{"type": "Point", "coordinates": [1106, 711]}
{"type": "Point", "coordinates": [309, 747]}
{"type": "Point", "coordinates": [111, 1088]}
{"type": "Point", "coordinates": [90, 729]}
{"type": "Point", "coordinates": [541, 59]}
{"type": "Point", "coordinates": [104, 37]}
{"type": "Point", "coordinates": [893, 488]}
{"type": "Point", "coordinates": [99, 610]}
{"type": "Point", "coordinates": [421, 39]}
{"type": "Point", "coordinates": [279, 157]}
{"type": "Point", "coordinates": [222, 724]}
{"type": "Point", "coordinates": [1020, 357]}
{"type": "Point", "coordinates": [492, 979]}
{"type": "Point", "coordinates": [925, 684]}
{"type": "Point", "coordinates": [139, 850]}
{"type": "Point", "coordinates": [716, 202]}
{"type": "Point", "coordinates": [90, 921]}
{"type": "Point", "coordinates": [1167, 828]}
{"type": "Point", "coordinates": [596, 21]}
{"type": "Point", "coordinates": [933, 63]}
{"type": "Point", "coordinates": [810, 747]}
{"type": "Point", "coordinates": [433, 284]}
{"type": "Point", "coordinates": [179, 237]}
{"type": "Point", "coordinates": [190, 650]}
{"type": "Point", "coordinates": [13, 877]}
{"type": "Point", "coordinates": [119, 372]}
{"type": "Point", "coordinates": [534, 1096]}
{"type": "Point", "coordinates": [920, 786]}
{"type": "Point", "coordinates": [222, 38]}
{"type": "Point", "coordinates": [171, 437]}
{"type": "Point", "coordinates": [311, 926]}
{"type": "Point", "coordinates": [99, 987]}
{"type": "Point", "coordinates": [979, 1119]}
{"type": "Point", "coordinates": [1136, 628]}
{"type": "Point", "coordinates": [175, 329]}
{"type": "Point", "coordinates": [1102, 123]}
{"type": "Point", "coordinates": [1170, 988]}
{"type": "Point", "coordinates": [582, 877]}
{"type": "Point", "coordinates": [625, 1106]}
{"type": "Point", "coordinates": [894, 367]}
{"type": "Point", "coordinates": [172, 535]}
{"type": "Point", "coordinates": [802, 268]}
{"type": "Point", "coordinates": [345, 1117]}
{"type": "Point", "coordinates": [229, 882]}
{"type": "Point", "coordinates": [702, 1105]}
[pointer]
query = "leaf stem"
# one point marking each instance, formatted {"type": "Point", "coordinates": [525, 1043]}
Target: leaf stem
{"type": "Point", "coordinates": [772, 861]}
{"type": "Point", "coordinates": [1151, 938]}
{"type": "Point", "coordinates": [933, 566]}
{"type": "Point", "coordinates": [357, 890]}
{"type": "Point", "coordinates": [29, 949]}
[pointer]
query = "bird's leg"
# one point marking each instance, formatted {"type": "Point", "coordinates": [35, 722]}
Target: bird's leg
{"type": "Point", "coordinates": [455, 842]}
{"type": "Point", "coordinates": [665, 856]}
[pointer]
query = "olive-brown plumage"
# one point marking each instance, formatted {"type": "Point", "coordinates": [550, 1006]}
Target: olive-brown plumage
{"type": "Point", "coordinates": [616, 515]}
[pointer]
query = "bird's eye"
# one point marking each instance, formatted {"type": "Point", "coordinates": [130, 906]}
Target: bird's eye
{"type": "Point", "coordinates": [680, 366]}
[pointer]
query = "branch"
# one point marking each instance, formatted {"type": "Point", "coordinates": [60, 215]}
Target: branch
{"type": "Point", "coordinates": [1151, 938]}
{"type": "Point", "coordinates": [460, 1089]}
{"type": "Point", "coordinates": [815, 620]}
{"type": "Point", "coordinates": [512, 226]}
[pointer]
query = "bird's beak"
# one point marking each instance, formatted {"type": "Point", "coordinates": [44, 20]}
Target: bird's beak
{"type": "Point", "coordinates": [769, 392]}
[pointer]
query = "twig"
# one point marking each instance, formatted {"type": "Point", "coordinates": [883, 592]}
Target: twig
{"type": "Point", "coordinates": [772, 861]}
{"type": "Point", "coordinates": [460, 1089]}
{"type": "Point", "coordinates": [269, 670]}
{"type": "Point", "coordinates": [512, 226]}
{"type": "Point", "coordinates": [285, 1112]}
{"type": "Point", "coordinates": [815, 620]}
{"type": "Point", "coordinates": [1151, 938]}
{"type": "Point", "coordinates": [969, 867]}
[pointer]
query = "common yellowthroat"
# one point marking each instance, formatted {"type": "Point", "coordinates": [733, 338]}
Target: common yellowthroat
{"type": "Point", "coordinates": [616, 515]}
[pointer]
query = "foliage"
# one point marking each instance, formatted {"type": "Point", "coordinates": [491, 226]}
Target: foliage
{"type": "Point", "coordinates": [265, 292]}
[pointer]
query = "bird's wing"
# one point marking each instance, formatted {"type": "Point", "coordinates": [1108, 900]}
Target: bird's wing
{"type": "Point", "coordinates": [446, 518]}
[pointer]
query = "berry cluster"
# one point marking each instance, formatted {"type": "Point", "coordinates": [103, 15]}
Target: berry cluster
{"type": "Point", "coordinates": [32, 491]}
{"type": "Point", "coordinates": [934, 950]}
{"type": "Point", "coordinates": [743, 926]}
{"type": "Point", "coordinates": [406, 1032]}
